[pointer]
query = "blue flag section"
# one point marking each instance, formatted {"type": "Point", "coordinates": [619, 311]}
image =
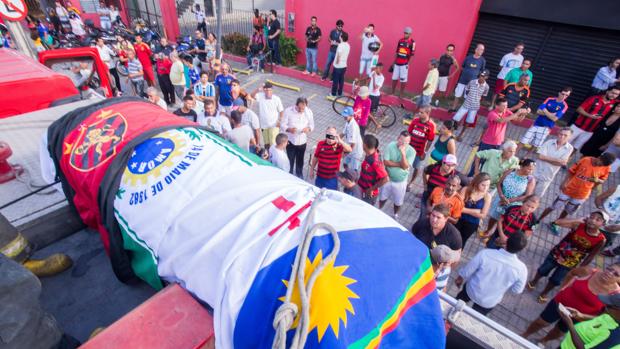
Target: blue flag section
{"type": "Point", "coordinates": [378, 298]}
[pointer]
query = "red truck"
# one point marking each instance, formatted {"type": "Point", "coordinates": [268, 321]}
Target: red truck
{"type": "Point", "coordinates": [27, 85]}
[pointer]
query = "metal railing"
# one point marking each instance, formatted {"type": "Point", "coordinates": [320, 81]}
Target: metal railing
{"type": "Point", "coordinates": [479, 328]}
{"type": "Point", "coordinates": [232, 21]}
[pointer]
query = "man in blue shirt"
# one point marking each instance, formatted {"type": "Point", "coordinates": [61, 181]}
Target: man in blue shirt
{"type": "Point", "coordinates": [223, 83]}
{"type": "Point", "coordinates": [549, 112]}
{"type": "Point", "coordinates": [500, 268]}
{"type": "Point", "coordinates": [606, 77]}
{"type": "Point", "coordinates": [472, 66]}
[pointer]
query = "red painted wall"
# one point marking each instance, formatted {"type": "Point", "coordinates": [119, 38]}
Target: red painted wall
{"type": "Point", "coordinates": [435, 24]}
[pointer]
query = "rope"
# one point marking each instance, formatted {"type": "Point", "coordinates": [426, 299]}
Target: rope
{"type": "Point", "coordinates": [286, 313]}
{"type": "Point", "coordinates": [26, 179]}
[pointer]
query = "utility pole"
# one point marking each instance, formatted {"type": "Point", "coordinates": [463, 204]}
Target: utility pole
{"type": "Point", "coordinates": [218, 30]}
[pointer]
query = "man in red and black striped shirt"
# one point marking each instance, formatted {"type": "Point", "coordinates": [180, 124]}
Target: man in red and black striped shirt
{"type": "Point", "coordinates": [436, 175]}
{"type": "Point", "coordinates": [592, 112]}
{"type": "Point", "coordinates": [422, 131]}
{"type": "Point", "coordinates": [516, 218]}
{"type": "Point", "coordinates": [326, 160]}
{"type": "Point", "coordinates": [373, 174]}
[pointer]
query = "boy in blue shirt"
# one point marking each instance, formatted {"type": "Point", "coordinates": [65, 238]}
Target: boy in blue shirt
{"type": "Point", "coordinates": [549, 112]}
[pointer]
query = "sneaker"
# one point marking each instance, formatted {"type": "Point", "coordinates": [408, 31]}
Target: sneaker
{"type": "Point", "coordinates": [306, 72]}
{"type": "Point", "coordinates": [313, 74]}
{"type": "Point", "coordinates": [436, 102]}
{"type": "Point", "coordinates": [331, 95]}
{"type": "Point", "coordinates": [555, 230]}
{"type": "Point", "coordinates": [395, 216]}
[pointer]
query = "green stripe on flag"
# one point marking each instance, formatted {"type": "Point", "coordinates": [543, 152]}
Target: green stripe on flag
{"type": "Point", "coordinates": [375, 332]}
{"type": "Point", "coordinates": [143, 259]}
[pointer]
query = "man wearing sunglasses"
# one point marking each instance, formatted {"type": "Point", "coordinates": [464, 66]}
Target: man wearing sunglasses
{"type": "Point", "coordinates": [334, 39]}
{"type": "Point", "coordinates": [326, 160]}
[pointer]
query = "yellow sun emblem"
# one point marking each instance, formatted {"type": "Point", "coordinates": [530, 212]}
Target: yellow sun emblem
{"type": "Point", "coordinates": [331, 297]}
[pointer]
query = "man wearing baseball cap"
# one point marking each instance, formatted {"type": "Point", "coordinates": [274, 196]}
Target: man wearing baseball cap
{"type": "Point", "coordinates": [577, 248]}
{"type": "Point", "coordinates": [436, 175]}
{"type": "Point", "coordinates": [400, 69]}
{"type": "Point", "coordinates": [353, 137]}
{"type": "Point", "coordinates": [474, 91]}
{"type": "Point", "coordinates": [601, 332]}
{"type": "Point", "coordinates": [430, 84]}
{"type": "Point", "coordinates": [442, 257]}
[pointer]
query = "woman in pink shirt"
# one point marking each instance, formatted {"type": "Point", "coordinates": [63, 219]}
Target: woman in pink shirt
{"type": "Point", "coordinates": [497, 121]}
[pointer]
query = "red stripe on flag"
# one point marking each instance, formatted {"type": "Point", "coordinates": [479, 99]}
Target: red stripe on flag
{"type": "Point", "coordinates": [293, 219]}
{"type": "Point", "coordinates": [283, 204]}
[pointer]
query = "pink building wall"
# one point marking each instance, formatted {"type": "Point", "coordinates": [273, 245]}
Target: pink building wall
{"type": "Point", "coordinates": [435, 24]}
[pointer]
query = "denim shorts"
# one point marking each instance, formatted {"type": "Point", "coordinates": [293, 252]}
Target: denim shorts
{"type": "Point", "coordinates": [559, 271]}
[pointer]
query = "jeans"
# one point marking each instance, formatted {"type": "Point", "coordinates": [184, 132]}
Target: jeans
{"type": "Point", "coordinates": [138, 86]}
{"type": "Point", "coordinates": [311, 60]}
{"type": "Point", "coordinates": [166, 88]}
{"type": "Point", "coordinates": [117, 79]}
{"type": "Point", "coordinates": [327, 183]}
{"type": "Point", "coordinates": [296, 158]}
{"type": "Point", "coordinates": [274, 45]}
{"type": "Point", "coordinates": [330, 59]}
{"type": "Point", "coordinates": [106, 24]}
{"type": "Point", "coordinates": [338, 81]}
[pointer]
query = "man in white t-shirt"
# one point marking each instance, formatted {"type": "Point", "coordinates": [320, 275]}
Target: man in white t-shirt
{"type": "Point", "coordinates": [248, 117]}
{"type": "Point", "coordinates": [353, 137]}
{"type": "Point", "coordinates": [270, 111]}
{"type": "Point", "coordinates": [340, 65]}
{"type": "Point", "coordinates": [510, 61]}
{"type": "Point", "coordinates": [277, 153]}
{"type": "Point", "coordinates": [371, 45]}
{"type": "Point", "coordinates": [240, 134]}
{"type": "Point", "coordinates": [214, 119]}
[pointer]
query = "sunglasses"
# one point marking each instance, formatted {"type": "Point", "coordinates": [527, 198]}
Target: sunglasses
{"type": "Point", "coordinates": [332, 137]}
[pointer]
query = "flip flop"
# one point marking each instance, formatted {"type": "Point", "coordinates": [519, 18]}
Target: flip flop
{"type": "Point", "coordinates": [542, 300]}
{"type": "Point", "coordinates": [530, 286]}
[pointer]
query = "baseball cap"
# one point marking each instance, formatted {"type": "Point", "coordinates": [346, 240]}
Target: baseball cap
{"type": "Point", "coordinates": [485, 72]}
{"type": "Point", "coordinates": [604, 214]}
{"type": "Point", "coordinates": [348, 111]}
{"type": "Point", "coordinates": [363, 92]}
{"type": "Point", "coordinates": [434, 62]}
{"type": "Point", "coordinates": [610, 299]}
{"type": "Point", "coordinates": [443, 254]}
{"type": "Point", "coordinates": [450, 159]}
{"type": "Point", "coordinates": [408, 30]}
{"type": "Point", "coordinates": [237, 103]}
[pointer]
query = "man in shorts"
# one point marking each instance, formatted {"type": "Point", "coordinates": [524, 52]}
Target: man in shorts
{"type": "Point", "coordinates": [552, 154]}
{"type": "Point", "coordinates": [549, 112]}
{"type": "Point", "coordinates": [446, 62]}
{"type": "Point", "coordinates": [475, 90]}
{"type": "Point", "coordinates": [371, 45]}
{"type": "Point", "coordinates": [582, 177]}
{"type": "Point", "coordinates": [375, 83]}
{"type": "Point", "coordinates": [404, 51]}
{"type": "Point", "coordinates": [509, 61]}
{"type": "Point", "coordinates": [577, 248]}
{"type": "Point", "coordinates": [270, 111]}
{"type": "Point", "coordinates": [397, 158]}
{"type": "Point", "coordinates": [472, 66]}
{"type": "Point", "coordinates": [430, 84]}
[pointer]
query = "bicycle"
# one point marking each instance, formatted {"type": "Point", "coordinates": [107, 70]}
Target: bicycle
{"type": "Point", "coordinates": [385, 115]}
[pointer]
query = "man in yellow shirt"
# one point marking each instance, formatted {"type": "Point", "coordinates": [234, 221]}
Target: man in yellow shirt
{"type": "Point", "coordinates": [430, 85]}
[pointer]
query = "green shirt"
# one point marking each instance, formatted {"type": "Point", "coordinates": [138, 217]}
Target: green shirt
{"type": "Point", "coordinates": [392, 153]}
{"type": "Point", "coordinates": [593, 332]}
{"type": "Point", "coordinates": [514, 75]}
{"type": "Point", "coordinates": [495, 165]}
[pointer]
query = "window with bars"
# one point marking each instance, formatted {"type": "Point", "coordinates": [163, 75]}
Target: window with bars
{"type": "Point", "coordinates": [89, 6]}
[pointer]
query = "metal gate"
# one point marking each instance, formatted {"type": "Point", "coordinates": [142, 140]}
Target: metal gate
{"type": "Point", "coordinates": [564, 55]}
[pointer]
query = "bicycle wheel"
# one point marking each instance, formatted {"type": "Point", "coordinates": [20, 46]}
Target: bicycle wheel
{"type": "Point", "coordinates": [341, 102]}
{"type": "Point", "coordinates": [385, 115]}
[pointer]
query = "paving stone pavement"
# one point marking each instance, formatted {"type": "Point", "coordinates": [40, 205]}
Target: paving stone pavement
{"type": "Point", "coordinates": [515, 311]}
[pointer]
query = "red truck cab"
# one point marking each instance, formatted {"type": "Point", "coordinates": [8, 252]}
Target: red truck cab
{"type": "Point", "coordinates": [27, 85]}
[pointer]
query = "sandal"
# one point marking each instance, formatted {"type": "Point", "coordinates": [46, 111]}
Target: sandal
{"type": "Point", "coordinates": [530, 286]}
{"type": "Point", "coordinates": [542, 300]}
